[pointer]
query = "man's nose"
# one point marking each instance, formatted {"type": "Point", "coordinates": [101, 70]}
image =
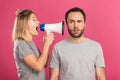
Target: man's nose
{"type": "Point", "coordinates": [75, 24]}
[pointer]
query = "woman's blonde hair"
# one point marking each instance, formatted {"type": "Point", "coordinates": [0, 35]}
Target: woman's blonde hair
{"type": "Point", "coordinates": [20, 24]}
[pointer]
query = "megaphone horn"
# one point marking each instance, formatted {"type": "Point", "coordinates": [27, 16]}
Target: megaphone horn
{"type": "Point", "coordinates": [56, 27]}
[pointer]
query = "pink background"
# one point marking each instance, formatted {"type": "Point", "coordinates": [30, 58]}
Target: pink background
{"type": "Point", "coordinates": [103, 25]}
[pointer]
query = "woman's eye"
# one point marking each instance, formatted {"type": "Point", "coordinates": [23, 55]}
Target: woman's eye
{"type": "Point", "coordinates": [34, 19]}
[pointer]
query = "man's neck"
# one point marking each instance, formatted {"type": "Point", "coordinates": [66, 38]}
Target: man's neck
{"type": "Point", "coordinates": [77, 40]}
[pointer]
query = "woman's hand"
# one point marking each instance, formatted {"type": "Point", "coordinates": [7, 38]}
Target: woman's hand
{"type": "Point", "coordinates": [48, 39]}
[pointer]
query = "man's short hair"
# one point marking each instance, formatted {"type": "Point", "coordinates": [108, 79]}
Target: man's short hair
{"type": "Point", "coordinates": [75, 9]}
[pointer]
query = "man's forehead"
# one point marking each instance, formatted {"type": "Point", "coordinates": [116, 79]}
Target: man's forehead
{"type": "Point", "coordinates": [75, 15]}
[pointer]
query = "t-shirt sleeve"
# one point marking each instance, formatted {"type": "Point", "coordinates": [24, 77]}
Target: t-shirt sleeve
{"type": "Point", "coordinates": [54, 60]}
{"type": "Point", "coordinates": [100, 58]}
{"type": "Point", "coordinates": [24, 50]}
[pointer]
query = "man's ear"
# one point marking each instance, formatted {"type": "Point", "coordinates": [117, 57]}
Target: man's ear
{"type": "Point", "coordinates": [85, 23]}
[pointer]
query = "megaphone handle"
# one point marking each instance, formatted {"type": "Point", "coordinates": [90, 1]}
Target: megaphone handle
{"type": "Point", "coordinates": [48, 32]}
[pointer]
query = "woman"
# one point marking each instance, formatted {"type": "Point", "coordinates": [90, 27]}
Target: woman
{"type": "Point", "coordinates": [29, 61]}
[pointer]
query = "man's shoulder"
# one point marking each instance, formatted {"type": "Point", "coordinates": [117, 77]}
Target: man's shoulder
{"type": "Point", "coordinates": [61, 43]}
{"type": "Point", "coordinates": [93, 42]}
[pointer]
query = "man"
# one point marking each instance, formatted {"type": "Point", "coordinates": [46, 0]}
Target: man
{"type": "Point", "coordinates": [77, 57]}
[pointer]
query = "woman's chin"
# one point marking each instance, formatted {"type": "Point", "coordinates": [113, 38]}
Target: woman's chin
{"type": "Point", "coordinates": [35, 34]}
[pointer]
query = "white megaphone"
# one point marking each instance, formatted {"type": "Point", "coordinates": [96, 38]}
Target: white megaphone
{"type": "Point", "coordinates": [56, 27]}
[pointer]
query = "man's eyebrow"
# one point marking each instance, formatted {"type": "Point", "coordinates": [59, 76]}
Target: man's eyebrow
{"type": "Point", "coordinates": [74, 20]}
{"type": "Point", "coordinates": [70, 19]}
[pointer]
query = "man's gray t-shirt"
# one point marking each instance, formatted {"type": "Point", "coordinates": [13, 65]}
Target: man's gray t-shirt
{"type": "Point", "coordinates": [77, 61]}
{"type": "Point", "coordinates": [25, 72]}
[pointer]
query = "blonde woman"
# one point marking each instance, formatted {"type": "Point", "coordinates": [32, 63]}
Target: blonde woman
{"type": "Point", "coordinates": [29, 61]}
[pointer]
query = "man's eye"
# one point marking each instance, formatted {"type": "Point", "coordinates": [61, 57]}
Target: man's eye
{"type": "Point", "coordinates": [71, 21]}
{"type": "Point", "coordinates": [80, 21]}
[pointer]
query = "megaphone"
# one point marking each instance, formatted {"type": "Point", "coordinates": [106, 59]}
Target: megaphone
{"type": "Point", "coordinates": [56, 27]}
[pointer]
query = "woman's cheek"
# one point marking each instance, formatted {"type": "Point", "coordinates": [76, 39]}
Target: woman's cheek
{"type": "Point", "coordinates": [31, 23]}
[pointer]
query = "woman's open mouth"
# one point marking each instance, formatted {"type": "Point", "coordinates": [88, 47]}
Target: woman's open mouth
{"type": "Point", "coordinates": [36, 28]}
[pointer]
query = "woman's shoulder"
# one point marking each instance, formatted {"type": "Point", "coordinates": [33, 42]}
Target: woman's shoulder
{"type": "Point", "coordinates": [20, 42]}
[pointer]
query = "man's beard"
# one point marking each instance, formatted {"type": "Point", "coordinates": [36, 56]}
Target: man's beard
{"type": "Point", "coordinates": [76, 36]}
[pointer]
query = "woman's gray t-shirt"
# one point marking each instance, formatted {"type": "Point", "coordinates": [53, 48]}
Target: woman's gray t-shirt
{"type": "Point", "coordinates": [21, 50]}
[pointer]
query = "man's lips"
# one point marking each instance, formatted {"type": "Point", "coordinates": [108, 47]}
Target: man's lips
{"type": "Point", "coordinates": [76, 30]}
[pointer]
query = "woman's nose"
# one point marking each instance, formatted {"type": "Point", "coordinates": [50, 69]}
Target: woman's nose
{"type": "Point", "coordinates": [38, 22]}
